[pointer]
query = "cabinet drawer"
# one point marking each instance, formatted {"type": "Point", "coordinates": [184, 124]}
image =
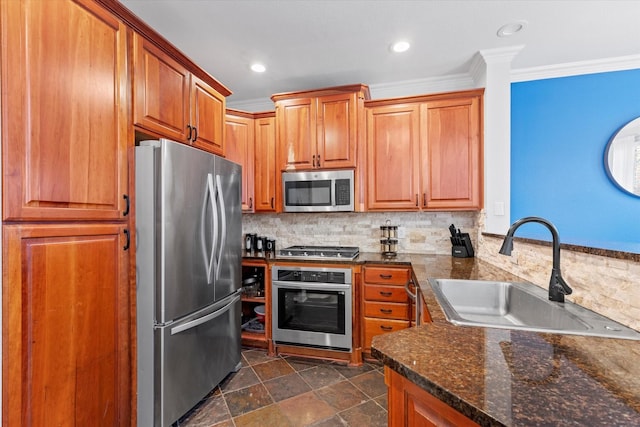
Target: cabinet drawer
{"type": "Point", "coordinates": [387, 276]}
{"type": "Point", "coordinates": [385, 293]}
{"type": "Point", "coordinates": [386, 310]}
{"type": "Point", "coordinates": [373, 327]}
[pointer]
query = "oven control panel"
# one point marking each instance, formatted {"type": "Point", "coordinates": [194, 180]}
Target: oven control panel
{"type": "Point", "coordinates": [312, 275]}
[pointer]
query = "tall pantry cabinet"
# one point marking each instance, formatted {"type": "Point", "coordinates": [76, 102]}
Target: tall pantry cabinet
{"type": "Point", "coordinates": [66, 301]}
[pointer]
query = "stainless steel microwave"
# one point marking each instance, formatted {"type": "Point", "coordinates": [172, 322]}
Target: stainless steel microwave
{"type": "Point", "coordinates": [318, 191]}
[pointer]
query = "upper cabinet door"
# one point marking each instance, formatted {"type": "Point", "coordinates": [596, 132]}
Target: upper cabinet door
{"type": "Point", "coordinates": [160, 91]}
{"type": "Point", "coordinates": [207, 117]}
{"type": "Point", "coordinates": [451, 166]}
{"type": "Point", "coordinates": [393, 142]}
{"type": "Point", "coordinates": [239, 143]}
{"type": "Point", "coordinates": [266, 173]}
{"type": "Point", "coordinates": [337, 131]}
{"type": "Point", "coordinates": [296, 133]}
{"type": "Point", "coordinates": [64, 111]}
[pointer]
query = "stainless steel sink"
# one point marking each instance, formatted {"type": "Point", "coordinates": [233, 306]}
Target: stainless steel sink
{"type": "Point", "coordinates": [521, 306]}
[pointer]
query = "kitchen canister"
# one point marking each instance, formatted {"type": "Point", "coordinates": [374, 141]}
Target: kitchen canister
{"type": "Point", "coordinates": [271, 246]}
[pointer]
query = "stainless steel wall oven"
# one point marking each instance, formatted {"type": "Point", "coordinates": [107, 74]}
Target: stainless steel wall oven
{"type": "Point", "coordinates": [312, 306]}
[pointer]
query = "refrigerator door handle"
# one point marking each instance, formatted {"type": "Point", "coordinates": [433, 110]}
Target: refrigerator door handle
{"type": "Point", "coordinates": [204, 319]}
{"type": "Point", "coordinates": [223, 225]}
{"type": "Point", "coordinates": [209, 255]}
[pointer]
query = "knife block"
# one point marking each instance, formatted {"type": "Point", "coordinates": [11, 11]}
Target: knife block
{"type": "Point", "coordinates": [462, 247]}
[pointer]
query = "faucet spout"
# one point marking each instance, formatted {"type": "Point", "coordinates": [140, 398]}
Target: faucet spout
{"type": "Point", "coordinates": [558, 287]}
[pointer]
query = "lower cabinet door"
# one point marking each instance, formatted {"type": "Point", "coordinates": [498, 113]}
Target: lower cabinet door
{"type": "Point", "coordinates": [66, 325]}
{"type": "Point", "coordinates": [373, 327]}
{"type": "Point", "coordinates": [411, 406]}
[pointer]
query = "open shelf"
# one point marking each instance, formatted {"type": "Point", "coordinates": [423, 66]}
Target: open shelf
{"type": "Point", "coordinates": [253, 299]}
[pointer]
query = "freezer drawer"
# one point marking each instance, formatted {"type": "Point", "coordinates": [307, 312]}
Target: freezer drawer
{"type": "Point", "coordinates": [198, 352]}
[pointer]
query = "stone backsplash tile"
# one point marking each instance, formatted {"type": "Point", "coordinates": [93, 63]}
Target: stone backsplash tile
{"type": "Point", "coordinates": [419, 232]}
{"type": "Point", "coordinates": [608, 286]}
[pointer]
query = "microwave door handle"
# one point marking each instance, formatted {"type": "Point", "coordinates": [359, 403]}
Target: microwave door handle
{"type": "Point", "coordinates": [206, 253]}
{"type": "Point", "coordinates": [223, 225]}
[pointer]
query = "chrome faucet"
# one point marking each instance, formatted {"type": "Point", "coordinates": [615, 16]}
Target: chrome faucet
{"type": "Point", "coordinates": [558, 288]}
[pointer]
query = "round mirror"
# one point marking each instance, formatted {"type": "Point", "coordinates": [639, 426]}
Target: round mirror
{"type": "Point", "coordinates": [622, 158]}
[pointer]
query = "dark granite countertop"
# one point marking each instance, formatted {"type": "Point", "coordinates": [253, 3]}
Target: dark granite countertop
{"type": "Point", "coordinates": [512, 378]}
{"type": "Point", "coordinates": [500, 377]}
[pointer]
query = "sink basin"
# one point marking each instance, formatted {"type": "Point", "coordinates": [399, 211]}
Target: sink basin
{"type": "Point", "coordinates": [523, 306]}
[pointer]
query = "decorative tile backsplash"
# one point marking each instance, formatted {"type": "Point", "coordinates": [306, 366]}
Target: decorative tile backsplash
{"type": "Point", "coordinates": [608, 286]}
{"type": "Point", "coordinates": [418, 232]}
{"type": "Point", "coordinates": [605, 285]}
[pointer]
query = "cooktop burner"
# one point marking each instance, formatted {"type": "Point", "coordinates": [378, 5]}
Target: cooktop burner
{"type": "Point", "coordinates": [320, 252]}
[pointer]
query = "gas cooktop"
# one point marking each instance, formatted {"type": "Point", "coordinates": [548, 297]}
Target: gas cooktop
{"type": "Point", "coordinates": [320, 252]}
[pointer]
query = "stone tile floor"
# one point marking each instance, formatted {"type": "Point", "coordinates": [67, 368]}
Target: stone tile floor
{"type": "Point", "coordinates": [287, 391]}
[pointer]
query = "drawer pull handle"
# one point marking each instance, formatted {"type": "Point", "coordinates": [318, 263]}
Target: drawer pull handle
{"type": "Point", "coordinates": [386, 311]}
{"type": "Point", "coordinates": [385, 294]}
{"type": "Point", "coordinates": [386, 276]}
{"type": "Point", "coordinates": [386, 328]}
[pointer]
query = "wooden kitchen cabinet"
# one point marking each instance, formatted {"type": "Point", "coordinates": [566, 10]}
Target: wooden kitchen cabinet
{"type": "Point", "coordinates": [266, 172]}
{"type": "Point", "coordinates": [240, 142]}
{"type": "Point", "coordinates": [66, 325]}
{"type": "Point", "coordinates": [207, 117]}
{"type": "Point", "coordinates": [451, 178]}
{"type": "Point", "coordinates": [319, 129]}
{"type": "Point", "coordinates": [64, 111]}
{"type": "Point", "coordinates": [410, 405]}
{"type": "Point", "coordinates": [386, 306]}
{"type": "Point", "coordinates": [393, 138]}
{"type": "Point", "coordinates": [425, 153]}
{"type": "Point", "coordinates": [174, 103]}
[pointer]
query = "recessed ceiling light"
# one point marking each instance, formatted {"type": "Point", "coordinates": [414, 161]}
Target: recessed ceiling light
{"type": "Point", "coordinates": [401, 46]}
{"type": "Point", "coordinates": [258, 68]}
{"type": "Point", "coordinates": [511, 28]}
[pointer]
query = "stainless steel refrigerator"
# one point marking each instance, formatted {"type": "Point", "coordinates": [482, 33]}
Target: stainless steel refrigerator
{"type": "Point", "coordinates": [188, 257]}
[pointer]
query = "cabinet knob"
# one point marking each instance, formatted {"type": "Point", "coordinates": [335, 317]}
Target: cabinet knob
{"type": "Point", "coordinates": [195, 134]}
{"type": "Point", "coordinates": [313, 161]}
{"type": "Point", "coordinates": [417, 200]}
{"type": "Point", "coordinates": [190, 129]}
{"type": "Point", "coordinates": [318, 160]}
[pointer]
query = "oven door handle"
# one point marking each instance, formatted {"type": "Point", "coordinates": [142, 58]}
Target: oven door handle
{"type": "Point", "coordinates": [307, 286]}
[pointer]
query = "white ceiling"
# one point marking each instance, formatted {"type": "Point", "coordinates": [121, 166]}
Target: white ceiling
{"type": "Point", "coordinates": [307, 44]}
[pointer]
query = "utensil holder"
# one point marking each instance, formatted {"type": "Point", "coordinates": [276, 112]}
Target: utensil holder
{"type": "Point", "coordinates": [461, 246]}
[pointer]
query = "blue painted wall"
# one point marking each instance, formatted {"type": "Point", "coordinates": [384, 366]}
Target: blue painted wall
{"type": "Point", "coordinates": [559, 131]}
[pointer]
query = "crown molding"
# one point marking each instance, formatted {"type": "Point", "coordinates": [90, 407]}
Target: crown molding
{"type": "Point", "coordinates": [252, 105]}
{"type": "Point", "coordinates": [475, 74]}
{"type": "Point", "coordinates": [400, 89]}
{"type": "Point", "coordinates": [484, 57]}
{"type": "Point", "coordinates": [630, 62]}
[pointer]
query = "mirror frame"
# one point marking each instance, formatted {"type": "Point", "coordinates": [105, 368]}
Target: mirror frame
{"type": "Point", "coordinates": [622, 132]}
